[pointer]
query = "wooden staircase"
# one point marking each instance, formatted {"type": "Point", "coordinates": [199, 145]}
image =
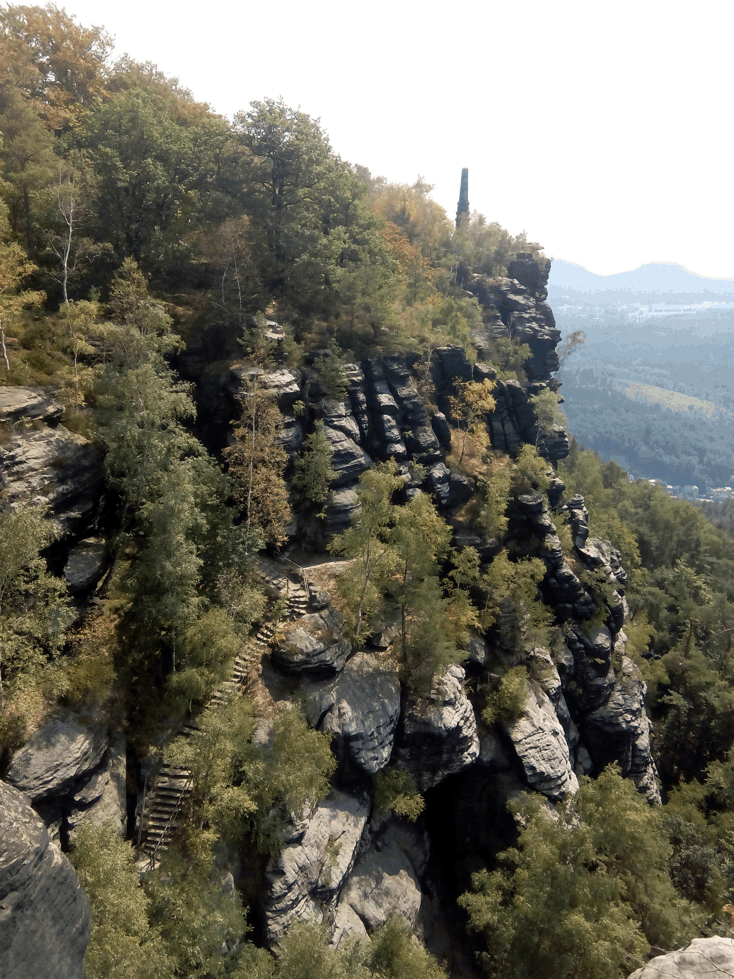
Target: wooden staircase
{"type": "Point", "coordinates": [164, 804]}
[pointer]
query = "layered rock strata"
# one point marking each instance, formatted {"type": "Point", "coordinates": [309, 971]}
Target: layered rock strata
{"type": "Point", "coordinates": [45, 920]}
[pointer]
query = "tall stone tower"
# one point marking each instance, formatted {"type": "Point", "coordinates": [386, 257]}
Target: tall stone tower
{"type": "Point", "coordinates": [463, 207]}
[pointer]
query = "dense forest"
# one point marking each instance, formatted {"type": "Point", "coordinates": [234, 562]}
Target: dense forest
{"type": "Point", "coordinates": [150, 247]}
{"type": "Point", "coordinates": [651, 387]}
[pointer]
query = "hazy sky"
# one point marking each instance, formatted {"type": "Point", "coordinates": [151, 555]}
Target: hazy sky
{"type": "Point", "coordinates": [603, 130]}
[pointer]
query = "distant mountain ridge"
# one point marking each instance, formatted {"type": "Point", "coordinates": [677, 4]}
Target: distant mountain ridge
{"type": "Point", "coordinates": [660, 279]}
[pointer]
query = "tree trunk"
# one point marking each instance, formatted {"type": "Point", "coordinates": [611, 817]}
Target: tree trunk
{"type": "Point", "coordinates": [3, 349]}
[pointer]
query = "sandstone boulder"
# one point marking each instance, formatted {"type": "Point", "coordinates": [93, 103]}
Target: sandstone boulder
{"type": "Point", "coordinates": [311, 868]}
{"type": "Point", "coordinates": [438, 736]}
{"type": "Point", "coordinates": [338, 415]}
{"type": "Point", "coordinates": [361, 708]}
{"type": "Point", "coordinates": [314, 645]}
{"type": "Point", "coordinates": [101, 799]}
{"type": "Point", "coordinates": [284, 384]}
{"type": "Point", "coordinates": [540, 743]}
{"type": "Point", "coordinates": [55, 756]}
{"type": "Point", "coordinates": [84, 565]}
{"type": "Point", "coordinates": [342, 506]}
{"type": "Point", "coordinates": [45, 919]}
{"type": "Point", "coordinates": [348, 460]}
{"type": "Point", "coordinates": [704, 958]}
{"type": "Point", "coordinates": [383, 883]}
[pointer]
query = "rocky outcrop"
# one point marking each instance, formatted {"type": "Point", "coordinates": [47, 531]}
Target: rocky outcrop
{"type": "Point", "coordinates": [540, 743]}
{"type": "Point", "coordinates": [608, 691]}
{"type": "Point", "coordinates": [54, 465]}
{"type": "Point", "coordinates": [438, 735]}
{"type": "Point", "coordinates": [84, 565]}
{"type": "Point", "coordinates": [32, 404]}
{"type": "Point", "coordinates": [45, 920]}
{"type": "Point", "coordinates": [313, 645]}
{"type": "Point", "coordinates": [56, 756]}
{"type": "Point", "coordinates": [311, 868]}
{"type": "Point", "coordinates": [619, 730]}
{"type": "Point", "coordinates": [704, 958]}
{"type": "Point", "coordinates": [383, 883]}
{"type": "Point", "coordinates": [514, 308]}
{"type": "Point", "coordinates": [360, 708]}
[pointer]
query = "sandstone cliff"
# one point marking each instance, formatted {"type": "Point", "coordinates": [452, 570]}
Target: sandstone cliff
{"type": "Point", "coordinates": [346, 862]}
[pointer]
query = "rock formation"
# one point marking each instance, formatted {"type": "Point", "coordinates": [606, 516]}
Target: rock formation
{"type": "Point", "coordinates": [704, 958]}
{"type": "Point", "coordinates": [40, 459]}
{"type": "Point", "coordinates": [44, 914]}
{"type": "Point", "coordinates": [584, 706]}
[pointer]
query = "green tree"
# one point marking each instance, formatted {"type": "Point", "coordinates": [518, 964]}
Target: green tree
{"type": "Point", "coordinates": [574, 340]}
{"type": "Point", "coordinates": [174, 520]}
{"type": "Point", "coordinates": [330, 369]}
{"type": "Point", "coordinates": [201, 923]}
{"type": "Point", "coordinates": [547, 414]}
{"type": "Point", "coordinates": [469, 408]}
{"type": "Point", "coordinates": [363, 585]}
{"type": "Point", "coordinates": [257, 462]}
{"type": "Point", "coordinates": [27, 158]}
{"type": "Point", "coordinates": [154, 155]}
{"type": "Point", "coordinates": [14, 268]}
{"type": "Point", "coordinates": [495, 486]}
{"type": "Point", "coordinates": [512, 587]}
{"type": "Point", "coordinates": [69, 251]}
{"type": "Point", "coordinates": [394, 953]}
{"type": "Point", "coordinates": [124, 943]}
{"type": "Point", "coordinates": [313, 236]}
{"type": "Point", "coordinates": [288, 179]}
{"type": "Point", "coordinates": [32, 602]}
{"type": "Point", "coordinates": [420, 539]}
{"type": "Point", "coordinates": [60, 66]}
{"type": "Point", "coordinates": [247, 791]}
{"type": "Point", "coordinates": [313, 472]}
{"type": "Point", "coordinates": [586, 893]}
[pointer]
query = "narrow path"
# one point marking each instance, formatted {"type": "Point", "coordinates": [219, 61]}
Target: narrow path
{"type": "Point", "coordinates": [164, 802]}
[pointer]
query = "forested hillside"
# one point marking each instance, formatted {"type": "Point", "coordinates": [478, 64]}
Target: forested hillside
{"type": "Point", "coordinates": [651, 388]}
{"type": "Point", "coordinates": [325, 651]}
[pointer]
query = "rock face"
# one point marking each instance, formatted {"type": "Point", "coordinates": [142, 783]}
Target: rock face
{"type": "Point", "coordinates": [314, 645]}
{"type": "Point", "coordinates": [540, 742]}
{"type": "Point", "coordinates": [438, 736]}
{"type": "Point", "coordinates": [619, 730]}
{"type": "Point", "coordinates": [311, 868]}
{"type": "Point", "coordinates": [55, 465]}
{"type": "Point", "coordinates": [343, 863]}
{"type": "Point", "coordinates": [361, 708]}
{"type": "Point", "coordinates": [55, 757]}
{"type": "Point", "coordinates": [704, 958]}
{"type": "Point", "coordinates": [45, 920]}
{"type": "Point", "coordinates": [31, 403]}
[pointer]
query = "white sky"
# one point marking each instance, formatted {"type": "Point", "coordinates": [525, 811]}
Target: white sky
{"type": "Point", "coordinates": [602, 129]}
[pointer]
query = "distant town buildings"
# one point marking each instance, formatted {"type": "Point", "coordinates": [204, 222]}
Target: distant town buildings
{"type": "Point", "coordinates": [689, 492]}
